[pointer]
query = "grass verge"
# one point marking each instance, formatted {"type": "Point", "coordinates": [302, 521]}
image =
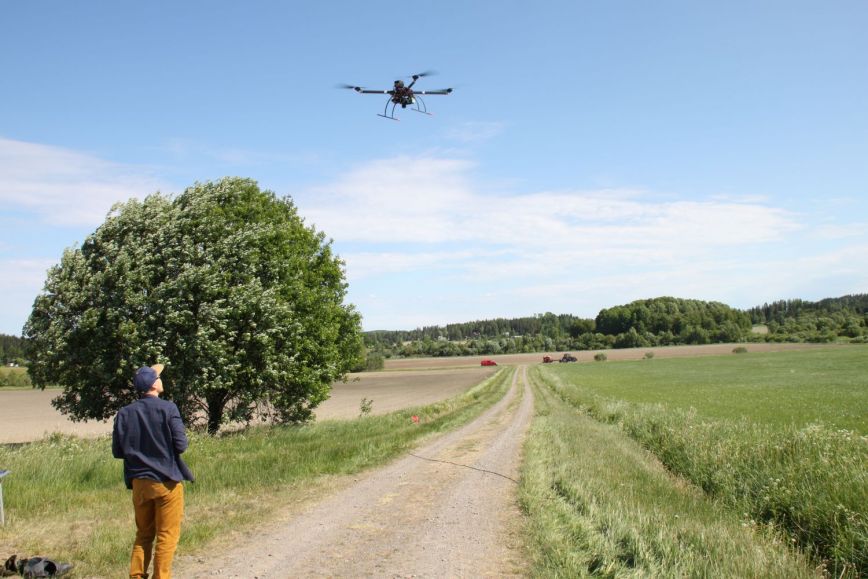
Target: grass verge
{"type": "Point", "coordinates": [65, 497]}
{"type": "Point", "coordinates": [809, 482]}
{"type": "Point", "coordinates": [600, 505]}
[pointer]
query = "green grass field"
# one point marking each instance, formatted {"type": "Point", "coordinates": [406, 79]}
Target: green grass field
{"type": "Point", "coordinates": [777, 438]}
{"type": "Point", "coordinates": [66, 497]}
{"type": "Point", "coordinates": [783, 388]}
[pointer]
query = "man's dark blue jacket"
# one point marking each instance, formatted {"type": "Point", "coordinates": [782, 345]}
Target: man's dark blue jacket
{"type": "Point", "coordinates": [149, 435]}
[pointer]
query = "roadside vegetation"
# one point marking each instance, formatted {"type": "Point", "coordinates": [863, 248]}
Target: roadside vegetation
{"type": "Point", "coordinates": [777, 439]}
{"type": "Point", "coordinates": [14, 378]}
{"type": "Point", "coordinates": [65, 497]}
{"type": "Point", "coordinates": [598, 504]}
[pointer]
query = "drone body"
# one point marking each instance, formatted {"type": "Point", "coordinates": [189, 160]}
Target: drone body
{"type": "Point", "coordinates": [404, 95]}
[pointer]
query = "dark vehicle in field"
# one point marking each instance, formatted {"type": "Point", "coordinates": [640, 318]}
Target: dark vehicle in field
{"type": "Point", "coordinates": [568, 358]}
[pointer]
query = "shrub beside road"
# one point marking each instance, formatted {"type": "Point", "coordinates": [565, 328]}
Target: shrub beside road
{"type": "Point", "coordinates": [14, 378]}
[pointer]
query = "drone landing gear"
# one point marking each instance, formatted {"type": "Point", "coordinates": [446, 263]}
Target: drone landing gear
{"type": "Point", "coordinates": [418, 106]}
{"type": "Point", "coordinates": [386, 114]}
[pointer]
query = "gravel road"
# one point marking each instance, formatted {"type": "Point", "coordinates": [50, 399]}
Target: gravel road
{"type": "Point", "coordinates": [447, 510]}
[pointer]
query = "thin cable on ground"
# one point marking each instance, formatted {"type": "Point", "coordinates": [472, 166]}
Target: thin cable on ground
{"type": "Point", "coordinates": [465, 466]}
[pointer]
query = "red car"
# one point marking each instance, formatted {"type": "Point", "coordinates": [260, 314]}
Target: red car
{"type": "Point", "coordinates": [488, 363]}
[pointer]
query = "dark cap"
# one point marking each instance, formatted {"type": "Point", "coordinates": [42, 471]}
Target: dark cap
{"type": "Point", "coordinates": [146, 376]}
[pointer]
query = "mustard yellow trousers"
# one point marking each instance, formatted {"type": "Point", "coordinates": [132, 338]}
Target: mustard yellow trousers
{"type": "Point", "coordinates": [159, 508]}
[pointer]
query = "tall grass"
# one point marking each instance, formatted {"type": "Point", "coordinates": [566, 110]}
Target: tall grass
{"type": "Point", "coordinates": [600, 505]}
{"type": "Point", "coordinates": [811, 482]}
{"type": "Point", "coordinates": [65, 497]}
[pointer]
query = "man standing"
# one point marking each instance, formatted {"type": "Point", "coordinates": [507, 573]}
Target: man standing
{"type": "Point", "coordinates": [149, 435]}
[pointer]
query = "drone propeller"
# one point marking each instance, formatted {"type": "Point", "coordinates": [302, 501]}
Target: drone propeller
{"type": "Point", "coordinates": [349, 86]}
{"type": "Point", "coordinates": [423, 74]}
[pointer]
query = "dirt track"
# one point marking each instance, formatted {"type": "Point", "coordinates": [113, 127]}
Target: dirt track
{"type": "Point", "coordinates": [446, 510]}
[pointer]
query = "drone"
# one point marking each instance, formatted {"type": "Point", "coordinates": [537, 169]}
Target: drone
{"type": "Point", "coordinates": [403, 95]}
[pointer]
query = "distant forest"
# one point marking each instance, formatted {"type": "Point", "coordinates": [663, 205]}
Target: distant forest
{"type": "Point", "coordinates": [12, 350]}
{"type": "Point", "coordinates": [662, 321]}
{"type": "Point", "coordinates": [828, 320]}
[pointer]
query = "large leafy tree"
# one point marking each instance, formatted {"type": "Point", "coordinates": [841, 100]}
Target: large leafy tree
{"type": "Point", "coordinates": [224, 284]}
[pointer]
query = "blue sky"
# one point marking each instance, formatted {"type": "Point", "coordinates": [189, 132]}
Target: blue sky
{"type": "Point", "coordinates": [592, 153]}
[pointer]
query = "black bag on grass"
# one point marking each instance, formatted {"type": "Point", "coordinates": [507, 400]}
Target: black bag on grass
{"type": "Point", "coordinates": [35, 567]}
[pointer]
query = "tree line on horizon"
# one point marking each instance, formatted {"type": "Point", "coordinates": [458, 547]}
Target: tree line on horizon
{"type": "Point", "coordinates": [662, 321]}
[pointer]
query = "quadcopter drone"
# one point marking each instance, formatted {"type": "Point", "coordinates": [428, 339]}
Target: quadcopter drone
{"type": "Point", "coordinates": [403, 95]}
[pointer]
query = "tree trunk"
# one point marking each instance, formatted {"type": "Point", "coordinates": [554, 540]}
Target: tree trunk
{"type": "Point", "coordinates": [216, 400]}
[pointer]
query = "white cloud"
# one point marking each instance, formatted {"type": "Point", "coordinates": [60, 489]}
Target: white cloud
{"type": "Point", "coordinates": [566, 251]}
{"type": "Point", "coordinates": [430, 200]}
{"type": "Point", "coordinates": [67, 187]}
{"type": "Point", "coordinates": [393, 200]}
